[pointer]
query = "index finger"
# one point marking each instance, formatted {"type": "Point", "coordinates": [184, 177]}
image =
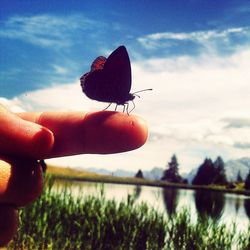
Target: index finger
{"type": "Point", "coordinates": [101, 132]}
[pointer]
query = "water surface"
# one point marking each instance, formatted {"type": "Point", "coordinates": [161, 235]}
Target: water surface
{"type": "Point", "coordinates": [222, 207]}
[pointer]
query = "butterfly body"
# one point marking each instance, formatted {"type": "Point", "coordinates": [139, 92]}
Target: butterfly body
{"type": "Point", "coordinates": [109, 79]}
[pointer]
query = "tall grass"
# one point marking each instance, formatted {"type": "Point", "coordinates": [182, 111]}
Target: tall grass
{"type": "Point", "coordinates": [61, 221]}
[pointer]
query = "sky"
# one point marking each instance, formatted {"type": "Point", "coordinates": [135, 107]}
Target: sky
{"type": "Point", "coordinates": [195, 54]}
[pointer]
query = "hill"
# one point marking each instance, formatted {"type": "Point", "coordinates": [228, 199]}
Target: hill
{"type": "Point", "coordinates": [70, 172]}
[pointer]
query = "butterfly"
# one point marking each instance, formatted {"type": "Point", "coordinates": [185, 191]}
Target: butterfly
{"type": "Point", "coordinates": [109, 79]}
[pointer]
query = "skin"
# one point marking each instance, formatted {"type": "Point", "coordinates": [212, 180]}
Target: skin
{"type": "Point", "coordinates": [27, 137]}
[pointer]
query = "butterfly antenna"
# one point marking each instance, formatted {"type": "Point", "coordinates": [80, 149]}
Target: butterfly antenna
{"type": "Point", "coordinates": [141, 91]}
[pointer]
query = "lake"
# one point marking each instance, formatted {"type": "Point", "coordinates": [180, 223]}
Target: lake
{"type": "Point", "coordinates": [223, 207]}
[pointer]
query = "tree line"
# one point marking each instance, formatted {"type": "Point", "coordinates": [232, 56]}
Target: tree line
{"type": "Point", "coordinates": [208, 173]}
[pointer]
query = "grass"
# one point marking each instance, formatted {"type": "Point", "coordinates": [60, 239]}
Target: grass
{"type": "Point", "coordinates": [61, 221]}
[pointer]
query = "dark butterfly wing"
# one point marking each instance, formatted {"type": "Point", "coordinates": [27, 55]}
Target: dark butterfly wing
{"type": "Point", "coordinates": [118, 71]}
{"type": "Point", "coordinates": [92, 86]}
{"type": "Point", "coordinates": [97, 64]}
{"type": "Point", "coordinates": [109, 79]}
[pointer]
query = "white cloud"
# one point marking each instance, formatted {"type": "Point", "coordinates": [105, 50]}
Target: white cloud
{"type": "Point", "coordinates": [207, 39]}
{"type": "Point", "coordinates": [195, 36]}
{"type": "Point", "coordinates": [63, 97]}
{"type": "Point", "coordinates": [46, 30]}
{"type": "Point", "coordinates": [14, 104]}
{"type": "Point", "coordinates": [59, 69]}
{"type": "Point", "coordinates": [198, 107]}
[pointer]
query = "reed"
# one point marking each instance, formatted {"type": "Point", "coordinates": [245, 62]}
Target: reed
{"type": "Point", "coordinates": [59, 220]}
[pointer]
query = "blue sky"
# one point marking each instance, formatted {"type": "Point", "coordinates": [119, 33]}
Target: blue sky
{"type": "Point", "coordinates": [38, 38]}
{"type": "Point", "coordinates": [195, 54]}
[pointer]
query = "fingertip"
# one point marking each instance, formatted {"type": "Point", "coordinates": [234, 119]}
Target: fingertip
{"type": "Point", "coordinates": [114, 131]}
{"type": "Point", "coordinates": [134, 131]}
{"type": "Point", "coordinates": [140, 130]}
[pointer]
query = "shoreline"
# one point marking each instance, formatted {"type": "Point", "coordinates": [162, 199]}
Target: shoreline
{"type": "Point", "coordinates": [143, 182]}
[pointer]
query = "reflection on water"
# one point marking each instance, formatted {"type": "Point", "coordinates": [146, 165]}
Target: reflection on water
{"type": "Point", "coordinates": [247, 207]}
{"type": "Point", "coordinates": [223, 207]}
{"type": "Point", "coordinates": [237, 204]}
{"type": "Point", "coordinates": [209, 204]}
{"type": "Point", "coordinates": [137, 191]}
{"type": "Point", "coordinates": [170, 198]}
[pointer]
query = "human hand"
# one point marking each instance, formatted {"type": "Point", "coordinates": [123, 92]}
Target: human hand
{"type": "Point", "coordinates": [27, 137]}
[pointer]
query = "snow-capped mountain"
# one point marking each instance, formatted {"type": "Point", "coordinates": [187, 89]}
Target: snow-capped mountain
{"type": "Point", "coordinates": [233, 167]}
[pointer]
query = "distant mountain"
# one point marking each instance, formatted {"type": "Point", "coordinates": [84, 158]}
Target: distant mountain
{"type": "Point", "coordinates": [241, 165]}
{"type": "Point", "coordinates": [232, 168]}
{"type": "Point", "coordinates": [98, 170]}
{"type": "Point", "coordinates": [123, 173]}
{"type": "Point", "coordinates": [117, 172]}
{"type": "Point", "coordinates": [190, 176]}
{"type": "Point", "coordinates": [153, 174]}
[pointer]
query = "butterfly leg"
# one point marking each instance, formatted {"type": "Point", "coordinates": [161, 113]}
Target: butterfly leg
{"type": "Point", "coordinates": [124, 108]}
{"type": "Point", "coordinates": [107, 106]}
{"type": "Point", "coordinates": [128, 112]}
